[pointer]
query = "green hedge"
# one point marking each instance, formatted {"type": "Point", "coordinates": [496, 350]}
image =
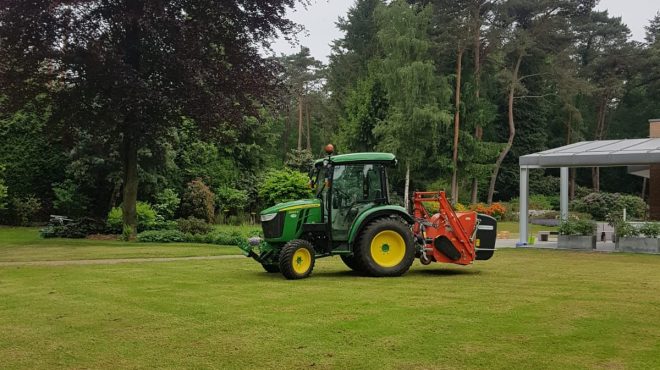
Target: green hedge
{"type": "Point", "coordinates": [176, 236]}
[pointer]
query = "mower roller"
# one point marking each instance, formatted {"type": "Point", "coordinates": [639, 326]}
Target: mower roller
{"type": "Point", "coordinates": [351, 216]}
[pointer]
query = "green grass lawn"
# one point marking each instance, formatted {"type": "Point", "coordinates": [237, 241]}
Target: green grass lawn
{"type": "Point", "coordinates": [25, 244]}
{"type": "Point", "coordinates": [513, 228]}
{"type": "Point", "coordinates": [526, 309]}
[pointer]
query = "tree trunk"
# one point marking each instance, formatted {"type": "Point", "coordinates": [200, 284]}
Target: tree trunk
{"type": "Point", "coordinates": [512, 130]}
{"type": "Point", "coordinates": [598, 135]}
{"type": "Point", "coordinates": [474, 197]}
{"type": "Point", "coordinates": [300, 121]}
{"type": "Point", "coordinates": [309, 145]}
{"type": "Point", "coordinates": [457, 120]}
{"type": "Point", "coordinates": [287, 133]}
{"type": "Point", "coordinates": [130, 167]}
{"type": "Point", "coordinates": [406, 188]}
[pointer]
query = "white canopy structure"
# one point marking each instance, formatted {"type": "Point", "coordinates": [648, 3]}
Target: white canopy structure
{"type": "Point", "coordinates": [637, 154]}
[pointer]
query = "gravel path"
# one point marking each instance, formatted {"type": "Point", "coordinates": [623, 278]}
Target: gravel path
{"type": "Point", "coordinates": [115, 261]}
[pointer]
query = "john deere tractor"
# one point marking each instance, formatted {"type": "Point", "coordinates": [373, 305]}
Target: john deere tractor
{"type": "Point", "coordinates": [351, 216]}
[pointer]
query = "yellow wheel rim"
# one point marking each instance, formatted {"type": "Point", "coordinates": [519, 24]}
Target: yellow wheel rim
{"type": "Point", "coordinates": [388, 248]}
{"type": "Point", "coordinates": [302, 260]}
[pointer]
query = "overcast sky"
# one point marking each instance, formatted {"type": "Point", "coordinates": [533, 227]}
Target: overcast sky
{"type": "Point", "coordinates": [319, 19]}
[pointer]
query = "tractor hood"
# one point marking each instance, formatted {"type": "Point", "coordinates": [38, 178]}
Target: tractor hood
{"type": "Point", "coordinates": [296, 204]}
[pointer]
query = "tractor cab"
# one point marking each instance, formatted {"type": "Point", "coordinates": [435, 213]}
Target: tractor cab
{"type": "Point", "coordinates": [347, 186]}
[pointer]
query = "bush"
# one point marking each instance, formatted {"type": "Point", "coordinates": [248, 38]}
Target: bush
{"type": "Point", "coordinates": [167, 203]}
{"type": "Point", "coordinates": [25, 209]}
{"type": "Point", "coordinates": [162, 236]}
{"type": "Point", "coordinates": [577, 227]}
{"type": "Point", "coordinates": [3, 190]}
{"type": "Point", "coordinates": [635, 206]}
{"type": "Point", "coordinates": [146, 218]}
{"type": "Point", "coordinates": [230, 199]}
{"type": "Point", "coordinates": [176, 236]}
{"type": "Point", "coordinates": [538, 202]}
{"type": "Point", "coordinates": [650, 229]}
{"type": "Point", "coordinates": [77, 229]}
{"type": "Point", "coordinates": [160, 225]}
{"type": "Point", "coordinates": [198, 201]}
{"type": "Point", "coordinates": [224, 238]}
{"type": "Point", "coordinates": [69, 200]}
{"type": "Point", "coordinates": [625, 229]}
{"type": "Point", "coordinates": [284, 185]}
{"type": "Point", "coordinates": [193, 225]}
{"type": "Point", "coordinates": [496, 210]}
{"type": "Point", "coordinates": [609, 206]}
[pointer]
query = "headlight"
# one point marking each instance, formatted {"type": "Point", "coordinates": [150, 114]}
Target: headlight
{"type": "Point", "coordinates": [268, 217]}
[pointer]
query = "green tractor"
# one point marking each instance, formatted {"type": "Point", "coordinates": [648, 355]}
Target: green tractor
{"type": "Point", "coordinates": [350, 216]}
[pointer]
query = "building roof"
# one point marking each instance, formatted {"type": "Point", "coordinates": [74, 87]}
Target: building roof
{"type": "Point", "coordinates": [388, 158]}
{"type": "Point", "coordinates": [601, 153]}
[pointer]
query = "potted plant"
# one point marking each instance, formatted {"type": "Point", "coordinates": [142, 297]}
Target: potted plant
{"type": "Point", "coordinates": [577, 234]}
{"type": "Point", "coordinates": [638, 240]}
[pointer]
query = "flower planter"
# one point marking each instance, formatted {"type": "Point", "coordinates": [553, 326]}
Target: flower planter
{"type": "Point", "coordinates": [638, 245]}
{"type": "Point", "coordinates": [579, 242]}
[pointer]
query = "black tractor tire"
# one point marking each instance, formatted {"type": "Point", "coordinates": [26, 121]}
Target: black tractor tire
{"type": "Point", "coordinates": [351, 262]}
{"type": "Point", "coordinates": [270, 268]}
{"type": "Point", "coordinates": [384, 260]}
{"type": "Point", "coordinates": [297, 259]}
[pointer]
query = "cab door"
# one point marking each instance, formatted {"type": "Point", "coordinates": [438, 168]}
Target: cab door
{"type": "Point", "coordinates": [355, 189]}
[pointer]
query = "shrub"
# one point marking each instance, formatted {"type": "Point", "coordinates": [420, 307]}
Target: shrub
{"type": "Point", "coordinates": [160, 225]}
{"type": "Point", "coordinates": [650, 229]}
{"type": "Point", "coordinates": [230, 199]}
{"type": "Point", "coordinates": [74, 230]}
{"type": "Point", "coordinates": [3, 190]}
{"type": "Point", "coordinates": [146, 218]}
{"type": "Point", "coordinates": [577, 227]}
{"type": "Point", "coordinates": [625, 229]}
{"type": "Point", "coordinates": [198, 201]}
{"type": "Point", "coordinates": [458, 207]}
{"type": "Point", "coordinates": [25, 209]}
{"type": "Point", "coordinates": [167, 203]}
{"type": "Point", "coordinates": [496, 210]}
{"type": "Point", "coordinates": [176, 236]}
{"type": "Point", "coordinates": [193, 225]}
{"type": "Point", "coordinates": [161, 236]}
{"type": "Point", "coordinates": [69, 200]}
{"type": "Point", "coordinates": [224, 238]}
{"type": "Point", "coordinates": [284, 185]}
{"type": "Point", "coordinates": [635, 206]}
{"type": "Point", "coordinates": [608, 206]}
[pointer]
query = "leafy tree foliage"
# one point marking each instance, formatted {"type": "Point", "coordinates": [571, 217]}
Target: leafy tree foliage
{"type": "Point", "coordinates": [125, 71]}
{"type": "Point", "coordinates": [282, 186]}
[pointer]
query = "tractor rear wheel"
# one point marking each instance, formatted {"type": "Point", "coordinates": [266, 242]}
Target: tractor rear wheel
{"type": "Point", "coordinates": [271, 268]}
{"type": "Point", "coordinates": [297, 259]}
{"type": "Point", "coordinates": [385, 248]}
{"type": "Point", "coordinates": [351, 262]}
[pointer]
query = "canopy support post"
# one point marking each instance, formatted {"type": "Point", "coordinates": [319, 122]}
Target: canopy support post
{"type": "Point", "coordinates": [524, 194]}
{"type": "Point", "coordinates": [563, 194]}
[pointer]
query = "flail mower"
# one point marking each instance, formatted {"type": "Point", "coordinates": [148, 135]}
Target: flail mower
{"type": "Point", "coordinates": [351, 216]}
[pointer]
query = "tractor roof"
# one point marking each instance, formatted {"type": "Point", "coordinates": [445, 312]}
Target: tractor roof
{"type": "Point", "coordinates": [370, 157]}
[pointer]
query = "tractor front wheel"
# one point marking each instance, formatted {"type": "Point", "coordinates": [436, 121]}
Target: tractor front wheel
{"type": "Point", "coordinates": [297, 259]}
{"type": "Point", "coordinates": [385, 248]}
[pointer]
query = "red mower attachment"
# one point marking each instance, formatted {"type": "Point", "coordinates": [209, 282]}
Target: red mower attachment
{"type": "Point", "coordinates": [449, 236]}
